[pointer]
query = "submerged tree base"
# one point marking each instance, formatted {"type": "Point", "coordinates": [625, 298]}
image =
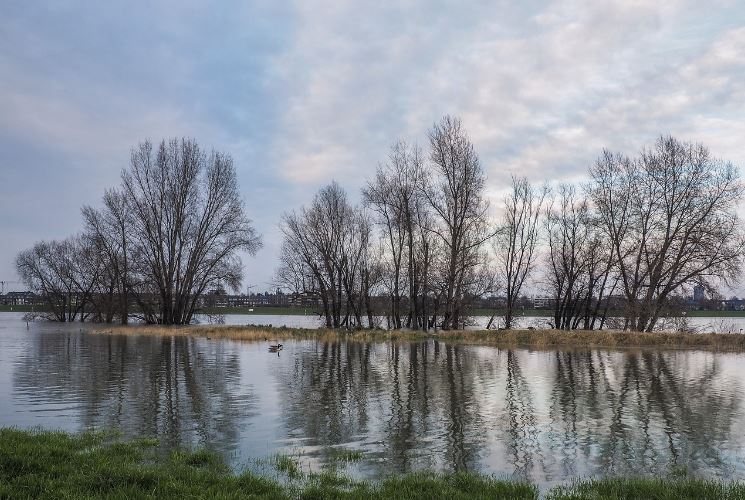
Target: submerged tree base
{"type": "Point", "coordinates": [43, 464]}
{"type": "Point", "coordinates": [529, 338]}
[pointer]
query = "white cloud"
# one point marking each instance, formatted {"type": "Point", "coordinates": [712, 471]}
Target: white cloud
{"type": "Point", "coordinates": [323, 88]}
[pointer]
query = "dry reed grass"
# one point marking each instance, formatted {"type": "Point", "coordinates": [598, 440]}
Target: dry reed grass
{"type": "Point", "coordinates": [530, 338]}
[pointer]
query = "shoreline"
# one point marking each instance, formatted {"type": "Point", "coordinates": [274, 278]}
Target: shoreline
{"type": "Point", "coordinates": [100, 464]}
{"type": "Point", "coordinates": [309, 311]}
{"type": "Point", "coordinates": [546, 339]}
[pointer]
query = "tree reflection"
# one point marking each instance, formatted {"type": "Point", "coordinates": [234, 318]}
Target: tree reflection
{"type": "Point", "coordinates": [182, 390]}
{"type": "Point", "coordinates": [641, 412]}
{"type": "Point", "coordinates": [438, 405]}
{"type": "Point", "coordinates": [404, 400]}
{"type": "Point", "coordinates": [542, 415]}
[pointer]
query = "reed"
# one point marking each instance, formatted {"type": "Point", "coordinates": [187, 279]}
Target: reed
{"type": "Point", "coordinates": [529, 338]}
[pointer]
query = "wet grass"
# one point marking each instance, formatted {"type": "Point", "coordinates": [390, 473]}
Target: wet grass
{"type": "Point", "coordinates": [648, 488]}
{"type": "Point", "coordinates": [345, 455]}
{"type": "Point", "coordinates": [60, 465]}
{"type": "Point", "coordinates": [546, 339]}
{"type": "Point", "coordinates": [288, 465]}
{"type": "Point", "coordinates": [43, 464]}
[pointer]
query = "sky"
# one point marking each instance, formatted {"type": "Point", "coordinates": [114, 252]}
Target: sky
{"type": "Point", "coordinates": [303, 93]}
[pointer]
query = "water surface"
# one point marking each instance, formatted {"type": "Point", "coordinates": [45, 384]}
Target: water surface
{"type": "Point", "coordinates": [543, 415]}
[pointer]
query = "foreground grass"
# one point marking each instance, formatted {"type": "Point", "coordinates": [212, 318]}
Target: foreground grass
{"type": "Point", "coordinates": [92, 465]}
{"type": "Point", "coordinates": [60, 465]}
{"type": "Point", "coordinates": [528, 338]}
{"type": "Point", "coordinates": [648, 488]}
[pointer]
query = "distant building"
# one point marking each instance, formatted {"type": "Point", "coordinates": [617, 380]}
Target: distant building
{"type": "Point", "coordinates": [18, 299]}
{"type": "Point", "coordinates": [733, 304]}
{"type": "Point", "coordinates": [218, 298]}
{"type": "Point", "coordinates": [543, 302]}
{"type": "Point", "coordinates": [699, 294]}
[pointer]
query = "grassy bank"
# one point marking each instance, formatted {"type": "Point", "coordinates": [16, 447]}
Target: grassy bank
{"type": "Point", "coordinates": [528, 338]}
{"type": "Point", "coordinates": [91, 465]}
{"type": "Point", "coordinates": [539, 313]}
{"type": "Point", "coordinates": [309, 311]}
{"type": "Point", "coordinates": [5, 308]}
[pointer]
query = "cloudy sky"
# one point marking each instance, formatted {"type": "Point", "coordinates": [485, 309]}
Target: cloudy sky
{"type": "Point", "coordinates": [303, 93]}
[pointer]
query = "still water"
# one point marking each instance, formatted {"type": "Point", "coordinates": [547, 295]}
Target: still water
{"type": "Point", "coordinates": [543, 415]}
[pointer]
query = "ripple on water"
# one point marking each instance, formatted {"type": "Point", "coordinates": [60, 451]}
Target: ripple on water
{"type": "Point", "coordinates": [539, 414]}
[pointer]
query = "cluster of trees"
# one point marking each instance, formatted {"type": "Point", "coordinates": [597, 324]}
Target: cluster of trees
{"type": "Point", "coordinates": [170, 231]}
{"type": "Point", "coordinates": [642, 229]}
{"type": "Point", "coordinates": [417, 237]}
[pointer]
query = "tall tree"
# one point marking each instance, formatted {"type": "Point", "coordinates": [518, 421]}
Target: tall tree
{"type": "Point", "coordinates": [455, 192]}
{"type": "Point", "coordinates": [579, 265]}
{"type": "Point", "coordinates": [515, 243]}
{"type": "Point", "coordinates": [325, 253]}
{"type": "Point", "coordinates": [670, 217]}
{"type": "Point", "coordinates": [188, 225]}
{"type": "Point", "coordinates": [109, 229]}
{"type": "Point", "coordinates": [395, 196]}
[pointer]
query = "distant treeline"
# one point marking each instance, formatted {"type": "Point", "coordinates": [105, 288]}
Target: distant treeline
{"type": "Point", "coordinates": [643, 230]}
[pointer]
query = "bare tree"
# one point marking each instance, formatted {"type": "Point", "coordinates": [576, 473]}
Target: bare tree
{"type": "Point", "coordinates": [670, 217]}
{"type": "Point", "coordinates": [454, 191]}
{"type": "Point", "coordinates": [325, 253]}
{"type": "Point", "coordinates": [578, 263]}
{"type": "Point", "coordinates": [395, 195]}
{"type": "Point", "coordinates": [515, 243]}
{"type": "Point", "coordinates": [188, 225]}
{"type": "Point", "coordinates": [108, 229]}
{"type": "Point", "coordinates": [65, 273]}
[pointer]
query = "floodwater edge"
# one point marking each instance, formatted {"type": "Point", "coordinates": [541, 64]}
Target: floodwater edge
{"type": "Point", "coordinates": [99, 464]}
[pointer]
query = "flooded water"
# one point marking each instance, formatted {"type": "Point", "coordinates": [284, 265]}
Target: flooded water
{"type": "Point", "coordinates": [695, 324]}
{"type": "Point", "coordinates": [543, 415]}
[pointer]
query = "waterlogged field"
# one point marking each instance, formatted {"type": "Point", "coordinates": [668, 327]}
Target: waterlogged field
{"type": "Point", "coordinates": [371, 409]}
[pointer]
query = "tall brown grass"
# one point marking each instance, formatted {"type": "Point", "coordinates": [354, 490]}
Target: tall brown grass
{"type": "Point", "coordinates": [532, 338]}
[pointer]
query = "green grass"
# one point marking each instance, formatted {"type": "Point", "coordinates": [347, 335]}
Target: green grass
{"type": "Point", "coordinates": [539, 313]}
{"type": "Point", "coordinates": [311, 311]}
{"type": "Point", "coordinates": [278, 311]}
{"type": "Point", "coordinates": [715, 314]}
{"type": "Point", "coordinates": [288, 465]}
{"type": "Point", "coordinates": [648, 488]}
{"type": "Point", "coordinates": [43, 464]}
{"type": "Point", "coordinates": [5, 308]}
{"type": "Point", "coordinates": [345, 455]}
{"type": "Point", "coordinates": [60, 465]}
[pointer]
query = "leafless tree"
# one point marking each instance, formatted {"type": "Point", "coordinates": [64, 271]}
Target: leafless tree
{"type": "Point", "coordinates": [670, 217]}
{"type": "Point", "coordinates": [65, 273]}
{"type": "Point", "coordinates": [326, 253]}
{"type": "Point", "coordinates": [396, 198]}
{"type": "Point", "coordinates": [454, 191]}
{"type": "Point", "coordinates": [579, 265]}
{"type": "Point", "coordinates": [109, 230]}
{"type": "Point", "coordinates": [188, 225]}
{"type": "Point", "coordinates": [515, 243]}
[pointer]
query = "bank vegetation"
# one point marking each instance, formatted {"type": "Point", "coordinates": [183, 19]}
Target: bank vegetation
{"type": "Point", "coordinates": [515, 337]}
{"type": "Point", "coordinates": [42, 464]}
